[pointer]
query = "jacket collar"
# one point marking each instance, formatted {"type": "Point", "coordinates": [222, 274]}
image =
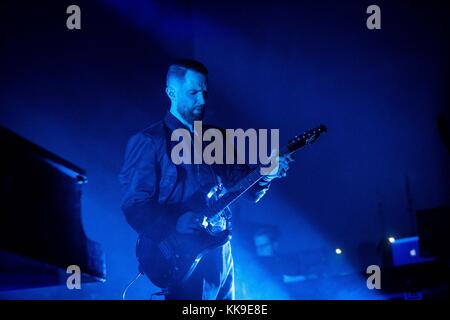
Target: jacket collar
{"type": "Point", "coordinates": [173, 123]}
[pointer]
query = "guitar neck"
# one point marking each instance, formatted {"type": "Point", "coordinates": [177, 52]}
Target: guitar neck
{"type": "Point", "coordinates": [238, 189]}
{"type": "Point", "coordinates": [235, 192]}
{"type": "Point", "coordinates": [308, 137]}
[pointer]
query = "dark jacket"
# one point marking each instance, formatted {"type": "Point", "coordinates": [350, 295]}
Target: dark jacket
{"type": "Point", "coordinates": [148, 178]}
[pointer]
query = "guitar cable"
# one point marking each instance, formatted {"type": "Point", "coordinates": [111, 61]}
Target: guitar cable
{"type": "Point", "coordinates": [163, 292]}
{"type": "Point", "coordinates": [130, 284]}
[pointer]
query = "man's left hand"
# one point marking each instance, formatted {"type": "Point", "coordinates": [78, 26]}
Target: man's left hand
{"type": "Point", "coordinates": [283, 167]}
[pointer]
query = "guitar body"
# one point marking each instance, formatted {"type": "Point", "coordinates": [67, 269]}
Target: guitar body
{"type": "Point", "coordinates": [172, 261]}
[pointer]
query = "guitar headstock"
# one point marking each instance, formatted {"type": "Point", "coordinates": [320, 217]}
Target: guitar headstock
{"type": "Point", "coordinates": [308, 137]}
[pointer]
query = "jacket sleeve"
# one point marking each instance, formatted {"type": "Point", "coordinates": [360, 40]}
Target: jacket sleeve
{"type": "Point", "coordinates": [139, 181]}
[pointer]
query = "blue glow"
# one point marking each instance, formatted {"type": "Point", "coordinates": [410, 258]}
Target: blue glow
{"type": "Point", "coordinates": [287, 66]}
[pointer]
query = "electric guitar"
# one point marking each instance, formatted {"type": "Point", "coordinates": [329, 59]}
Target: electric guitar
{"type": "Point", "coordinates": [173, 259]}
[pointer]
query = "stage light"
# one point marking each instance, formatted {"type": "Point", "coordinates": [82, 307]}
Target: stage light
{"type": "Point", "coordinates": [338, 251]}
{"type": "Point", "coordinates": [391, 239]}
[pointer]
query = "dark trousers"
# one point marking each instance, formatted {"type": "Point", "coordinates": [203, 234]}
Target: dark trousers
{"type": "Point", "coordinates": [213, 279]}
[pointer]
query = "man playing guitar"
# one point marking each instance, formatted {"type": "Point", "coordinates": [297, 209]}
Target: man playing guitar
{"type": "Point", "coordinates": [156, 191]}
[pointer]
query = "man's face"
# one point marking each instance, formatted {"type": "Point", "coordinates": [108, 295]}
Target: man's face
{"type": "Point", "coordinates": [191, 94]}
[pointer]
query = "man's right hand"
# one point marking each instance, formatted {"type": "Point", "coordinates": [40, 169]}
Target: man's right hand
{"type": "Point", "coordinates": [189, 222]}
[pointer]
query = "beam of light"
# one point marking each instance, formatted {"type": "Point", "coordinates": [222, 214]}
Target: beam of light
{"type": "Point", "coordinates": [253, 278]}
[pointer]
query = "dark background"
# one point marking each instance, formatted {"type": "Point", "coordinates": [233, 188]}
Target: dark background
{"type": "Point", "coordinates": [273, 64]}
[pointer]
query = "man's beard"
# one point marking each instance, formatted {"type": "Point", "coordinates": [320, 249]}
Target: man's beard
{"type": "Point", "coordinates": [191, 115]}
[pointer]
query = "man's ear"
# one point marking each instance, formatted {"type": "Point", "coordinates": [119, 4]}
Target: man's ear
{"type": "Point", "coordinates": [170, 93]}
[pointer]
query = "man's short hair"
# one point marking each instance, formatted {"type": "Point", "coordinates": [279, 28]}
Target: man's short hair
{"type": "Point", "coordinates": [179, 68]}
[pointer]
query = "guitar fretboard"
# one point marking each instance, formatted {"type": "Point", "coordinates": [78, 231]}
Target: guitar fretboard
{"type": "Point", "coordinates": [215, 210]}
{"type": "Point", "coordinates": [234, 193]}
{"type": "Point", "coordinates": [238, 190]}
